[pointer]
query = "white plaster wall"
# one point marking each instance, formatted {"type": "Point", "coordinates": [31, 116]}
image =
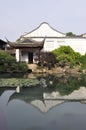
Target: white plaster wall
{"type": "Point", "coordinates": [50, 44]}
{"type": "Point", "coordinates": [84, 35]}
{"type": "Point", "coordinates": [77, 44]}
{"type": "Point", "coordinates": [24, 57]}
{"type": "Point", "coordinates": [44, 30]}
{"type": "Point", "coordinates": [38, 39]}
{"type": "Point", "coordinates": [55, 39]}
{"type": "Point", "coordinates": [34, 57]}
{"type": "Point", "coordinates": [17, 55]}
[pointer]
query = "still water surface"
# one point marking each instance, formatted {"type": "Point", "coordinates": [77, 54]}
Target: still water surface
{"type": "Point", "coordinates": [39, 109]}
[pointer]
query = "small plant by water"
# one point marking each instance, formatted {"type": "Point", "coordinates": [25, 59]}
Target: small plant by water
{"type": "Point", "coordinates": [21, 82]}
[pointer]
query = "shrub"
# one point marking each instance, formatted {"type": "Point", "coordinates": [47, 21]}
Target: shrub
{"type": "Point", "coordinates": [22, 66]}
{"type": "Point", "coordinates": [65, 54]}
{"type": "Point", "coordinates": [8, 63]}
{"type": "Point", "coordinates": [83, 61]}
{"type": "Point", "coordinates": [47, 59]}
{"type": "Point", "coordinates": [5, 57]}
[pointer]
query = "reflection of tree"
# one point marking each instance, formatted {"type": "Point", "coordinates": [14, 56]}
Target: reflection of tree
{"type": "Point", "coordinates": [68, 85]}
{"type": "Point", "coordinates": [65, 84]}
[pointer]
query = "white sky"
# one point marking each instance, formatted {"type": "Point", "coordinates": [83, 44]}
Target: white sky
{"type": "Point", "coordinates": [19, 16]}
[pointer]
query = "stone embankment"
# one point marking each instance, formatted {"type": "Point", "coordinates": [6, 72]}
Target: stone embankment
{"type": "Point", "coordinates": [56, 70]}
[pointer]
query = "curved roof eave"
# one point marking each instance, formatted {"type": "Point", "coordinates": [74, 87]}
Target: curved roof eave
{"type": "Point", "coordinates": [39, 27]}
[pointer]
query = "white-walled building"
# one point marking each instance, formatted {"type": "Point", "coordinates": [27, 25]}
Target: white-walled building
{"type": "Point", "coordinates": [50, 39]}
{"type": "Point", "coordinates": [54, 38]}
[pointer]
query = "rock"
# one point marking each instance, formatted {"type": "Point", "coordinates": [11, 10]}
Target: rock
{"type": "Point", "coordinates": [84, 71]}
{"type": "Point", "coordinates": [72, 71]}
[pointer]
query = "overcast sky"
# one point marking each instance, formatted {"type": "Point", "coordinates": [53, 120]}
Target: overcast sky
{"type": "Point", "coordinates": [19, 16]}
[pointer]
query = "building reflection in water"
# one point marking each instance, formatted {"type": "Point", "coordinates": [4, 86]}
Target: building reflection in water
{"type": "Point", "coordinates": [51, 91]}
{"type": "Point", "coordinates": [46, 100]}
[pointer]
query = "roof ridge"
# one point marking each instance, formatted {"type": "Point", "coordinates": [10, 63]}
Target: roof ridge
{"type": "Point", "coordinates": [40, 27]}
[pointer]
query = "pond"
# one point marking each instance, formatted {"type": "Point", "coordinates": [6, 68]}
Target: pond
{"type": "Point", "coordinates": [57, 103]}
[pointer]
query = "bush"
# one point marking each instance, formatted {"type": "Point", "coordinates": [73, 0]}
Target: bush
{"type": "Point", "coordinates": [47, 59]}
{"type": "Point", "coordinates": [5, 57]}
{"type": "Point", "coordinates": [83, 61]}
{"type": "Point", "coordinates": [8, 63]}
{"type": "Point", "coordinates": [65, 54]}
{"type": "Point", "coordinates": [22, 66]}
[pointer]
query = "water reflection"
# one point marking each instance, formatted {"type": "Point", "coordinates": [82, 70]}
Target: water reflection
{"type": "Point", "coordinates": [37, 98]}
{"type": "Point", "coordinates": [19, 113]}
{"type": "Point", "coordinates": [65, 84]}
{"type": "Point", "coordinates": [51, 91]}
{"type": "Point", "coordinates": [45, 107]}
{"type": "Point", "coordinates": [3, 89]}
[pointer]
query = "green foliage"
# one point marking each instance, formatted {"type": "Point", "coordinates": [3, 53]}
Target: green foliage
{"type": "Point", "coordinates": [70, 34]}
{"type": "Point", "coordinates": [22, 66]}
{"type": "Point", "coordinates": [66, 55]}
{"type": "Point", "coordinates": [83, 80]}
{"type": "Point", "coordinates": [64, 84]}
{"type": "Point", "coordinates": [4, 57]}
{"type": "Point", "coordinates": [68, 85]}
{"type": "Point", "coordinates": [8, 63]}
{"type": "Point", "coordinates": [83, 61]}
{"type": "Point", "coordinates": [2, 68]}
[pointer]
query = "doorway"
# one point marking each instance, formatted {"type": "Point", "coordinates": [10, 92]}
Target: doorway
{"type": "Point", "coordinates": [30, 57]}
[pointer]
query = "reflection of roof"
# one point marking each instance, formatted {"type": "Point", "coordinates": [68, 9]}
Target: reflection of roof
{"type": "Point", "coordinates": [26, 42]}
{"type": "Point", "coordinates": [28, 94]}
{"type": "Point", "coordinates": [45, 100]}
{"type": "Point", "coordinates": [2, 89]}
{"type": "Point", "coordinates": [34, 96]}
{"type": "Point", "coordinates": [47, 105]}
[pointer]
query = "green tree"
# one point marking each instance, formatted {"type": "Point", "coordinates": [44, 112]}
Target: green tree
{"type": "Point", "coordinates": [8, 63]}
{"type": "Point", "coordinates": [70, 34]}
{"type": "Point", "coordinates": [83, 61]}
{"type": "Point", "coordinates": [66, 55]}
